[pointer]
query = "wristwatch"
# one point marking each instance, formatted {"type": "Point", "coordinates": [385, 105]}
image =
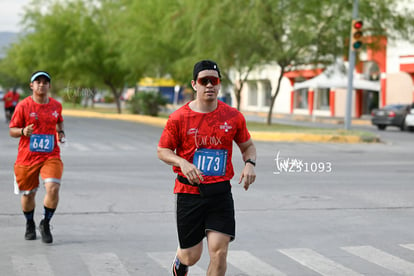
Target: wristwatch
{"type": "Point", "coordinates": [250, 161]}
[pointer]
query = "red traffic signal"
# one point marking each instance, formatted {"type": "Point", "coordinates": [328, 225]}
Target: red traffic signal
{"type": "Point", "coordinates": [358, 24]}
{"type": "Point", "coordinates": [356, 34]}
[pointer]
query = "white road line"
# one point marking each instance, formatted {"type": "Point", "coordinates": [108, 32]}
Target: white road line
{"type": "Point", "coordinates": [408, 246]}
{"type": "Point", "coordinates": [315, 261]}
{"type": "Point", "coordinates": [102, 147]}
{"type": "Point", "coordinates": [382, 259]}
{"type": "Point", "coordinates": [125, 147]}
{"type": "Point", "coordinates": [34, 265]}
{"type": "Point", "coordinates": [79, 146]}
{"type": "Point", "coordinates": [165, 259]}
{"type": "Point", "coordinates": [104, 264]}
{"type": "Point", "coordinates": [251, 265]}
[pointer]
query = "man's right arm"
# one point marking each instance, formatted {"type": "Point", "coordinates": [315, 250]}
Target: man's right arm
{"type": "Point", "coordinates": [169, 157]}
{"type": "Point", "coordinates": [189, 170]}
{"type": "Point", "coordinates": [16, 132]}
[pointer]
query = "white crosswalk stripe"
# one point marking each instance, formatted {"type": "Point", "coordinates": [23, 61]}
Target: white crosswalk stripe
{"type": "Point", "coordinates": [165, 259]}
{"type": "Point", "coordinates": [251, 265]}
{"type": "Point", "coordinates": [382, 259]}
{"type": "Point", "coordinates": [104, 264]}
{"type": "Point", "coordinates": [34, 265]}
{"type": "Point", "coordinates": [317, 262]}
{"type": "Point", "coordinates": [239, 263]}
{"type": "Point", "coordinates": [99, 147]}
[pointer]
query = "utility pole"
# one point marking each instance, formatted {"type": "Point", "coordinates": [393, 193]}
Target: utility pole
{"type": "Point", "coordinates": [348, 110]}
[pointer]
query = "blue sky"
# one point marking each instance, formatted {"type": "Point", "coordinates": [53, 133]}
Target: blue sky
{"type": "Point", "coordinates": [11, 12]}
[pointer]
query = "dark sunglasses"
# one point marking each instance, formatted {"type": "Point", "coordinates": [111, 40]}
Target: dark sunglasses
{"type": "Point", "coordinates": [209, 79]}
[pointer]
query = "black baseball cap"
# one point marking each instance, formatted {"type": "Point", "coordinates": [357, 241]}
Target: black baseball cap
{"type": "Point", "coordinates": [205, 65]}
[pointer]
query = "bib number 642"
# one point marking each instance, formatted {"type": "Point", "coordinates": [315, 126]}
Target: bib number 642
{"type": "Point", "coordinates": [41, 143]}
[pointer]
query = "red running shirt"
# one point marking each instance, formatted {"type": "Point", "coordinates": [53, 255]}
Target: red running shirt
{"type": "Point", "coordinates": [44, 117]}
{"type": "Point", "coordinates": [11, 99]}
{"type": "Point", "coordinates": [187, 130]}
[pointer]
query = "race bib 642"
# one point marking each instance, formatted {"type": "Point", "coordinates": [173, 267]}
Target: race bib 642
{"type": "Point", "coordinates": [42, 142]}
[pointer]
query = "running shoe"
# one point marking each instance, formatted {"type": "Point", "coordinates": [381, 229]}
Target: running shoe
{"type": "Point", "coordinates": [179, 269]}
{"type": "Point", "coordinates": [30, 230]}
{"type": "Point", "coordinates": [44, 228]}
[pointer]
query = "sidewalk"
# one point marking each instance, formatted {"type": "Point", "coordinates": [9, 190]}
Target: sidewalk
{"type": "Point", "coordinates": [256, 135]}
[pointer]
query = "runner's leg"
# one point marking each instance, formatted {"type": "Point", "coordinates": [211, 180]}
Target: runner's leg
{"type": "Point", "coordinates": [218, 244]}
{"type": "Point", "coordinates": [51, 199]}
{"type": "Point", "coordinates": [28, 202]}
{"type": "Point", "coordinates": [28, 205]}
{"type": "Point", "coordinates": [185, 258]}
{"type": "Point", "coordinates": [190, 256]}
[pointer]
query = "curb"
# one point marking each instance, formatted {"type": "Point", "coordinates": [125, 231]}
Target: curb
{"type": "Point", "coordinates": [304, 137]}
{"type": "Point", "coordinates": [256, 135]}
{"type": "Point", "coordinates": [123, 117]}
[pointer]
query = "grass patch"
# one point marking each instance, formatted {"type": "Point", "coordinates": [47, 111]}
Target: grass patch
{"type": "Point", "coordinates": [100, 109]}
{"type": "Point", "coordinates": [365, 136]}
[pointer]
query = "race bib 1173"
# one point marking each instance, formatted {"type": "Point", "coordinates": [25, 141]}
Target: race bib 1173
{"type": "Point", "coordinates": [211, 161]}
{"type": "Point", "coordinates": [42, 142]}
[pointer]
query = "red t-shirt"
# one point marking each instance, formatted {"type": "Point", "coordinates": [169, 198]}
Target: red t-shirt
{"type": "Point", "coordinates": [44, 117]}
{"type": "Point", "coordinates": [188, 131]}
{"type": "Point", "coordinates": [11, 99]}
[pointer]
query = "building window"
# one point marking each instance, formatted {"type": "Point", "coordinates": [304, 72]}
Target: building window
{"type": "Point", "coordinates": [252, 94]}
{"type": "Point", "coordinates": [301, 98]}
{"type": "Point", "coordinates": [322, 102]}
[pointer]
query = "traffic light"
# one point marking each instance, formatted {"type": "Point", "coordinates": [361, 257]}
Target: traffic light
{"type": "Point", "coordinates": [356, 36]}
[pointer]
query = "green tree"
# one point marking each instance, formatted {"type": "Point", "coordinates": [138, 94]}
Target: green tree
{"type": "Point", "coordinates": [115, 42]}
{"type": "Point", "coordinates": [315, 31]}
{"type": "Point", "coordinates": [244, 34]}
{"type": "Point", "coordinates": [77, 42]}
{"type": "Point", "coordinates": [219, 34]}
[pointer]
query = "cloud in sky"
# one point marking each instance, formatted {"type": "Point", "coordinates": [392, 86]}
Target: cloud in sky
{"type": "Point", "coordinates": [11, 12]}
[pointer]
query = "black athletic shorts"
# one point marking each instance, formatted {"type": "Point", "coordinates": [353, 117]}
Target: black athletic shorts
{"type": "Point", "coordinates": [10, 109]}
{"type": "Point", "coordinates": [196, 215]}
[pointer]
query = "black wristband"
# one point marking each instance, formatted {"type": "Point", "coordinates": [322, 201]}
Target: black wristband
{"type": "Point", "coordinates": [61, 131]}
{"type": "Point", "coordinates": [250, 161]}
{"type": "Point", "coordinates": [22, 132]}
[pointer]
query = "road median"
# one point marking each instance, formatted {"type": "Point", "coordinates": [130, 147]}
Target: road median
{"type": "Point", "coordinates": [339, 137]}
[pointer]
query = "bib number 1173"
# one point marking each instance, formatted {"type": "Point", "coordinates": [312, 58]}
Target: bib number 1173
{"type": "Point", "coordinates": [211, 161]}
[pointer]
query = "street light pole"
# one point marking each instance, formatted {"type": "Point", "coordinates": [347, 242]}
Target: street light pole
{"type": "Point", "coordinates": [348, 110]}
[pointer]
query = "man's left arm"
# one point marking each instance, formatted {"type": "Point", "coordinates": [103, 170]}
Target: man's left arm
{"type": "Point", "coordinates": [248, 174]}
{"type": "Point", "coordinates": [60, 130]}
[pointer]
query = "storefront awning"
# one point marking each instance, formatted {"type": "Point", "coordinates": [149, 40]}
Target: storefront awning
{"type": "Point", "coordinates": [335, 76]}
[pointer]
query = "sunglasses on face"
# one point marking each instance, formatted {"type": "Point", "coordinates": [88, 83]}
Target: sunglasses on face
{"type": "Point", "coordinates": [209, 79]}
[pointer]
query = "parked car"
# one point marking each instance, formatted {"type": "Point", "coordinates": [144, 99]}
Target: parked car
{"type": "Point", "coordinates": [409, 119]}
{"type": "Point", "coordinates": [390, 115]}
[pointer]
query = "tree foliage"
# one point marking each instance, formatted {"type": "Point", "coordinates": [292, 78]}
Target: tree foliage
{"type": "Point", "coordinates": [113, 43]}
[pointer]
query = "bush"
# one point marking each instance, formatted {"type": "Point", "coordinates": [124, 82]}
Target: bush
{"type": "Point", "coordinates": [147, 103]}
{"type": "Point", "coordinates": [109, 99]}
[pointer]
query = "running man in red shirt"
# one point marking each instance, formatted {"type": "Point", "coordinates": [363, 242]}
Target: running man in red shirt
{"type": "Point", "coordinates": [38, 122]}
{"type": "Point", "coordinates": [10, 101]}
{"type": "Point", "coordinates": [198, 142]}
